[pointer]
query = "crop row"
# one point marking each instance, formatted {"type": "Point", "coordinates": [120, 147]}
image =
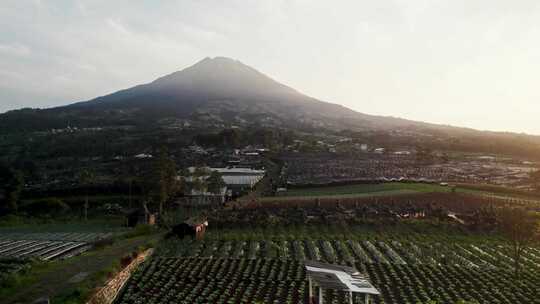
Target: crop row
{"type": "Point", "coordinates": [45, 250]}
{"type": "Point", "coordinates": [203, 280]}
{"type": "Point", "coordinates": [483, 256]}
{"type": "Point", "coordinates": [218, 280]}
{"type": "Point", "coordinates": [57, 236]}
{"type": "Point", "coordinates": [320, 169]}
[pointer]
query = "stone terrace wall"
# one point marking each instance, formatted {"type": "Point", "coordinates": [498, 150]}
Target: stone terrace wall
{"type": "Point", "coordinates": [108, 293]}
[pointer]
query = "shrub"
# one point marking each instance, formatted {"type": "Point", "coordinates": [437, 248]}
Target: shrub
{"type": "Point", "coordinates": [101, 243]}
{"type": "Point", "coordinates": [126, 260]}
{"type": "Point", "coordinates": [46, 207]}
{"type": "Point", "coordinates": [140, 230]}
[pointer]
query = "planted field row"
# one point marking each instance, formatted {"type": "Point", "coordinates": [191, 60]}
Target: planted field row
{"type": "Point", "coordinates": [455, 202]}
{"type": "Point", "coordinates": [201, 280]}
{"type": "Point", "coordinates": [44, 250]}
{"type": "Point", "coordinates": [482, 256]}
{"type": "Point", "coordinates": [419, 233]}
{"type": "Point", "coordinates": [59, 236]}
{"type": "Point", "coordinates": [450, 284]}
{"type": "Point", "coordinates": [326, 169]}
{"type": "Point", "coordinates": [205, 280]}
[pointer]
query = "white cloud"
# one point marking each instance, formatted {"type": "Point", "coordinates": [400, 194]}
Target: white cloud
{"type": "Point", "coordinates": [15, 49]}
{"type": "Point", "coordinates": [117, 26]}
{"type": "Point", "coordinates": [446, 61]}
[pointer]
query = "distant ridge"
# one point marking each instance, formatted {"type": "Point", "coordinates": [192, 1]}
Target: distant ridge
{"type": "Point", "coordinates": [221, 93]}
{"type": "Point", "coordinates": [217, 85]}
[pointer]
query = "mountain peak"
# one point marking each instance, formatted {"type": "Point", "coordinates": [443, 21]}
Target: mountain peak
{"type": "Point", "coordinates": [218, 61]}
{"type": "Point", "coordinates": [223, 77]}
{"type": "Point", "coordinates": [212, 66]}
{"type": "Point", "coordinates": [213, 85]}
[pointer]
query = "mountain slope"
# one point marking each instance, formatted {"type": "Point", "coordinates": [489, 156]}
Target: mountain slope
{"type": "Point", "coordinates": [220, 87]}
{"type": "Point", "coordinates": [219, 92]}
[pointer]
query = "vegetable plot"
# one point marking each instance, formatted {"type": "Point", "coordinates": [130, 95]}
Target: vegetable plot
{"type": "Point", "coordinates": [46, 246]}
{"type": "Point", "coordinates": [218, 280]}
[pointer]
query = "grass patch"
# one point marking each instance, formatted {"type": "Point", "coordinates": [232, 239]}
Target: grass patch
{"type": "Point", "coordinates": [366, 190]}
{"type": "Point", "coordinates": [52, 278]}
{"type": "Point", "coordinates": [389, 189]}
{"type": "Point", "coordinates": [85, 289]}
{"type": "Point", "coordinates": [499, 192]}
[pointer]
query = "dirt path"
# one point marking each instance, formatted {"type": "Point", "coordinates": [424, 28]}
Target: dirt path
{"type": "Point", "coordinates": [68, 274]}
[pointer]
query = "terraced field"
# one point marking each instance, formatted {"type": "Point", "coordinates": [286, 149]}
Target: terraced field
{"type": "Point", "coordinates": [255, 253]}
{"type": "Point", "coordinates": [271, 271]}
{"type": "Point", "coordinates": [471, 255]}
{"type": "Point", "coordinates": [208, 280]}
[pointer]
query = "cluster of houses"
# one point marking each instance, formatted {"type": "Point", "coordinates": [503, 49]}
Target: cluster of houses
{"type": "Point", "coordinates": [235, 182]}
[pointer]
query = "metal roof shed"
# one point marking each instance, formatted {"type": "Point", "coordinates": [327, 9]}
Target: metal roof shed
{"type": "Point", "coordinates": [337, 277]}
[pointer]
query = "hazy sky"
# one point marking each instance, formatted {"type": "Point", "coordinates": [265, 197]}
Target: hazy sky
{"type": "Point", "coordinates": [461, 62]}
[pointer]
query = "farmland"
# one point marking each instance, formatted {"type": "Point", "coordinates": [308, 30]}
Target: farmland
{"type": "Point", "coordinates": [365, 189]}
{"type": "Point", "coordinates": [67, 278]}
{"type": "Point", "coordinates": [384, 209]}
{"type": "Point", "coordinates": [406, 270]}
{"type": "Point", "coordinates": [324, 169]}
{"type": "Point", "coordinates": [205, 280]}
{"type": "Point", "coordinates": [19, 249]}
{"type": "Point", "coordinates": [418, 242]}
{"type": "Point", "coordinates": [254, 253]}
{"type": "Point", "coordinates": [47, 246]}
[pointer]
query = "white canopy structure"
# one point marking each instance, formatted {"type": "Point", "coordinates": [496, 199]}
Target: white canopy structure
{"type": "Point", "coordinates": [235, 178]}
{"type": "Point", "coordinates": [246, 180]}
{"type": "Point", "coordinates": [337, 277]}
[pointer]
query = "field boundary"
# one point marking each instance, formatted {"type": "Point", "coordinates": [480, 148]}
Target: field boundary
{"type": "Point", "coordinates": [348, 195]}
{"type": "Point", "coordinates": [108, 293]}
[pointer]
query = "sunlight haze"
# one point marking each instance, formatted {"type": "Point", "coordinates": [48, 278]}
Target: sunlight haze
{"type": "Point", "coordinates": [464, 63]}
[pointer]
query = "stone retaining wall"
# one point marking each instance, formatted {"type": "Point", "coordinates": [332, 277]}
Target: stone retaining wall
{"type": "Point", "coordinates": [108, 293]}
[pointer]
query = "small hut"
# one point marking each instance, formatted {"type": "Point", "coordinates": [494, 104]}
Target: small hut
{"type": "Point", "coordinates": [343, 278]}
{"type": "Point", "coordinates": [199, 226]}
{"type": "Point", "coordinates": [194, 227]}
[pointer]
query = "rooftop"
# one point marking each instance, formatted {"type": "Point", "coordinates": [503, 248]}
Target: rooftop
{"type": "Point", "coordinates": [336, 277]}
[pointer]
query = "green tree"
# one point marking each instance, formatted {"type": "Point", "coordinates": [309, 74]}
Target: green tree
{"type": "Point", "coordinates": [47, 207]}
{"type": "Point", "coordinates": [11, 185]}
{"type": "Point", "coordinates": [167, 183]}
{"type": "Point", "coordinates": [215, 182]}
{"type": "Point", "coordinates": [230, 138]}
{"type": "Point", "coordinates": [86, 179]}
{"type": "Point", "coordinates": [129, 177]}
{"type": "Point", "coordinates": [14, 191]}
{"type": "Point", "coordinates": [146, 181]}
{"type": "Point", "coordinates": [520, 228]}
{"type": "Point", "coordinates": [196, 182]}
{"type": "Point", "coordinates": [201, 171]}
{"type": "Point", "coordinates": [199, 185]}
{"type": "Point", "coordinates": [182, 183]}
